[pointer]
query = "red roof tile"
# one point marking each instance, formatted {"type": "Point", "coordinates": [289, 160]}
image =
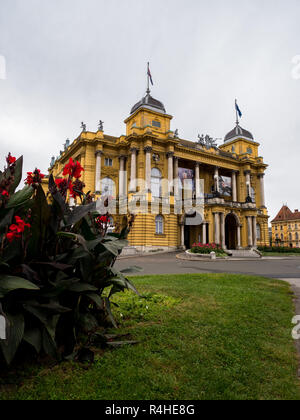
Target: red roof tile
{"type": "Point", "coordinates": [286, 214]}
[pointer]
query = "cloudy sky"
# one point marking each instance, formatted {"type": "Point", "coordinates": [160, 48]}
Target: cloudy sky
{"type": "Point", "coordinates": [67, 61]}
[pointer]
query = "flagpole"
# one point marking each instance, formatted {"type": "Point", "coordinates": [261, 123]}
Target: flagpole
{"type": "Point", "coordinates": [237, 117]}
{"type": "Point", "coordinates": [148, 89]}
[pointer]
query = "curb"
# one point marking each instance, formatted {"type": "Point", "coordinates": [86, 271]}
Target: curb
{"type": "Point", "coordinates": [148, 254]}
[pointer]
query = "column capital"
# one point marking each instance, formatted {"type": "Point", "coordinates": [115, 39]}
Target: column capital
{"type": "Point", "coordinates": [235, 171]}
{"type": "Point", "coordinates": [98, 153]}
{"type": "Point", "coordinates": [260, 175]}
{"type": "Point", "coordinates": [134, 150]}
{"type": "Point", "coordinates": [247, 172]}
{"type": "Point", "coordinates": [170, 154]}
{"type": "Point", "coordinates": [148, 149]}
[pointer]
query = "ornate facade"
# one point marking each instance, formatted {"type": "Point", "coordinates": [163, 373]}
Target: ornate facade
{"type": "Point", "coordinates": [286, 228]}
{"type": "Point", "coordinates": [148, 167]}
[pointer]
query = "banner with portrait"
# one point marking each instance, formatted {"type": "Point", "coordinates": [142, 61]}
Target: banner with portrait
{"type": "Point", "coordinates": [225, 186]}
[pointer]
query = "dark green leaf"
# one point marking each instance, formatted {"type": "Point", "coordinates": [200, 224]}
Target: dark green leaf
{"type": "Point", "coordinates": [109, 312]}
{"type": "Point", "coordinates": [79, 212]}
{"type": "Point", "coordinates": [33, 336]}
{"type": "Point", "coordinates": [10, 283]}
{"type": "Point", "coordinates": [15, 335]}
{"type": "Point", "coordinates": [82, 287]}
{"type": "Point", "coordinates": [20, 197]}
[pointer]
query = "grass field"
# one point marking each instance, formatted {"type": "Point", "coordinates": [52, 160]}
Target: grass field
{"type": "Point", "coordinates": [201, 337]}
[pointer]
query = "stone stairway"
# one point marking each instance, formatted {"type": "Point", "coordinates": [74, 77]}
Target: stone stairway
{"type": "Point", "coordinates": [243, 253]}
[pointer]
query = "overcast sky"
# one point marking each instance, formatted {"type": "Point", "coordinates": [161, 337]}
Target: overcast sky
{"type": "Point", "coordinates": [69, 61]}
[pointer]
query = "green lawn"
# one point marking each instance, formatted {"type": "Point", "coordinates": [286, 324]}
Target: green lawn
{"type": "Point", "coordinates": [201, 337]}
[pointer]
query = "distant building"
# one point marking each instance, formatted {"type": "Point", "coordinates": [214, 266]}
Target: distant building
{"type": "Point", "coordinates": [286, 228]}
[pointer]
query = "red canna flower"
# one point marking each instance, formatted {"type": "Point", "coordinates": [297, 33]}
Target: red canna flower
{"type": "Point", "coordinates": [73, 169]}
{"type": "Point", "coordinates": [34, 178]}
{"type": "Point", "coordinates": [16, 230]}
{"type": "Point", "coordinates": [5, 193]}
{"type": "Point", "coordinates": [10, 159]}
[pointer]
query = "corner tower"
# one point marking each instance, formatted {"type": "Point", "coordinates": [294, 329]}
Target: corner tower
{"type": "Point", "coordinates": [241, 142]}
{"type": "Point", "coordinates": [148, 114]}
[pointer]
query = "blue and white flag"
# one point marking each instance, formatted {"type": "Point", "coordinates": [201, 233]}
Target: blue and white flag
{"type": "Point", "coordinates": [238, 109]}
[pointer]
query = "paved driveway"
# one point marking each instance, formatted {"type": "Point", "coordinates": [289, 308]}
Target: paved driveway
{"type": "Point", "coordinates": [169, 264]}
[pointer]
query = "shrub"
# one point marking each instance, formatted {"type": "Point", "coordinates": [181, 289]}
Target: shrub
{"type": "Point", "coordinates": [199, 248]}
{"type": "Point", "coordinates": [279, 249]}
{"type": "Point", "coordinates": [55, 264]}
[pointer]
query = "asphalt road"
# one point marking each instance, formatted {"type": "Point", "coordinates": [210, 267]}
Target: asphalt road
{"type": "Point", "coordinates": [169, 264]}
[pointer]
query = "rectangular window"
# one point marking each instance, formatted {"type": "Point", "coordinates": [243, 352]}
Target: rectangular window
{"type": "Point", "coordinates": [108, 162]}
{"type": "Point", "coordinates": [156, 124]}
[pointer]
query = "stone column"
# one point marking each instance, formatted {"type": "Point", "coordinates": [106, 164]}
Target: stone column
{"type": "Point", "coordinates": [234, 190]}
{"type": "Point", "coordinates": [197, 181]}
{"type": "Point", "coordinates": [133, 151]}
{"type": "Point", "coordinates": [182, 234]}
{"type": "Point", "coordinates": [204, 235]}
{"type": "Point", "coordinates": [121, 176]}
{"type": "Point", "coordinates": [254, 234]}
{"type": "Point", "coordinates": [98, 155]}
{"type": "Point", "coordinates": [248, 183]}
{"type": "Point", "coordinates": [250, 237]}
{"type": "Point", "coordinates": [148, 151]}
{"type": "Point", "coordinates": [239, 237]}
{"type": "Point", "coordinates": [217, 228]}
{"type": "Point", "coordinates": [216, 179]}
{"type": "Point", "coordinates": [262, 190]}
{"type": "Point", "coordinates": [170, 156]}
{"type": "Point", "coordinates": [222, 223]}
{"type": "Point", "coordinates": [176, 185]}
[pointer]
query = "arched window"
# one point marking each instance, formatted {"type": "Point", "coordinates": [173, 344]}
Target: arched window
{"type": "Point", "coordinates": [156, 182]}
{"type": "Point", "coordinates": [281, 236]}
{"type": "Point", "coordinates": [290, 237]}
{"type": "Point", "coordinates": [108, 187]}
{"type": "Point", "coordinates": [297, 236]}
{"type": "Point", "coordinates": [159, 225]}
{"type": "Point", "coordinates": [258, 232]}
{"type": "Point", "coordinates": [252, 193]}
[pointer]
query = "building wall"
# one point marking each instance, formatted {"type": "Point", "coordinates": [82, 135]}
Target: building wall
{"type": "Point", "coordinates": [286, 228]}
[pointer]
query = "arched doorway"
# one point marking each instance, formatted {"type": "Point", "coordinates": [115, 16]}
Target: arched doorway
{"type": "Point", "coordinates": [231, 225]}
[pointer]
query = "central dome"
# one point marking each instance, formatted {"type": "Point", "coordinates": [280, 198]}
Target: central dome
{"type": "Point", "coordinates": [149, 102]}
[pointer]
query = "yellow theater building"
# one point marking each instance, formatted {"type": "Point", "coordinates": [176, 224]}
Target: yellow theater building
{"type": "Point", "coordinates": [149, 168]}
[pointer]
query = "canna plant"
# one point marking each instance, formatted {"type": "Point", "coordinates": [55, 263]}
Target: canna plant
{"type": "Point", "coordinates": [57, 272]}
